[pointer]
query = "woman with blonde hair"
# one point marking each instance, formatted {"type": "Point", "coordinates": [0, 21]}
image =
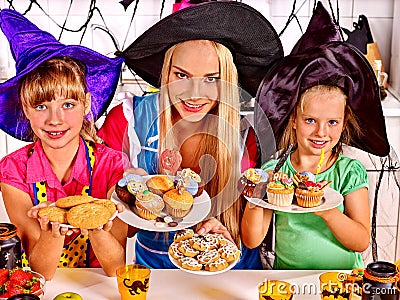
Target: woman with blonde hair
{"type": "Point", "coordinates": [197, 58]}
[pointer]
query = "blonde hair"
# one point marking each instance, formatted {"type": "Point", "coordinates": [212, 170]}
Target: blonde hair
{"type": "Point", "coordinates": [351, 125]}
{"type": "Point", "coordinates": [56, 77]}
{"type": "Point", "coordinates": [220, 139]}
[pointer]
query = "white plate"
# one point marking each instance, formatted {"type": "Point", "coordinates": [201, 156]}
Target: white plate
{"type": "Point", "coordinates": [200, 209]}
{"type": "Point", "coordinates": [202, 272]}
{"type": "Point", "coordinates": [330, 200]}
{"type": "Point", "coordinates": [70, 226]}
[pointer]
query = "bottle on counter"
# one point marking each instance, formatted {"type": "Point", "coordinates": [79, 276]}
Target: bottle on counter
{"type": "Point", "coordinates": [10, 247]}
{"type": "Point", "coordinates": [381, 281]}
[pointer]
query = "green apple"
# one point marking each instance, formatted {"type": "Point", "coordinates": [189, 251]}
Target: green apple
{"type": "Point", "coordinates": [68, 296]}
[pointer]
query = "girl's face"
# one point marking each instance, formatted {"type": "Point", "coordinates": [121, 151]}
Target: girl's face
{"type": "Point", "coordinates": [58, 123]}
{"type": "Point", "coordinates": [321, 121]}
{"type": "Point", "coordinates": [193, 80]}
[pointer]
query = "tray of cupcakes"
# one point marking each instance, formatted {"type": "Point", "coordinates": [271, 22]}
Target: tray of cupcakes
{"type": "Point", "coordinates": [207, 254]}
{"type": "Point", "coordinates": [162, 202]}
{"type": "Point", "coordinates": [298, 194]}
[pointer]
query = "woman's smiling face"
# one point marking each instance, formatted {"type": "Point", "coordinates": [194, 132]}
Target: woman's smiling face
{"type": "Point", "coordinates": [193, 80]}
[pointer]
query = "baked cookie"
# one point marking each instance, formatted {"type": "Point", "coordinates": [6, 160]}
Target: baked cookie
{"type": "Point", "coordinates": [207, 257]}
{"type": "Point", "coordinates": [183, 234]}
{"type": "Point", "coordinates": [108, 204]}
{"type": "Point", "coordinates": [174, 251]}
{"type": "Point", "coordinates": [190, 263]}
{"type": "Point", "coordinates": [88, 216]}
{"type": "Point", "coordinates": [71, 201]}
{"type": "Point", "coordinates": [229, 252]}
{"type": "Point", "coordinates": [218, 265]}
{"type": "Point", "coordinates": [186, 249]}
{"type": "Point", "coordinates": [200, 243]}
{"type": "Point", "coordinates": [54, 213]}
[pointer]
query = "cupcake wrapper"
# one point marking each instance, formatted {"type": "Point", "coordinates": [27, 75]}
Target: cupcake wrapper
{"type": "Point", "coordinates": [280, 199]}
{"type": "Point", "coordinates": [145, 214]}
{"type": "Point", "coordinates": [174, 212]}
{"type": "Point", "coordinates": [308, 200]}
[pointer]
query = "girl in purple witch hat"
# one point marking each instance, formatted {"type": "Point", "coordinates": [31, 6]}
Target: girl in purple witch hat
{"type": "Point", "coordinates": [322, 96]}
{"type": "Point", "coordinates": [53, 89]}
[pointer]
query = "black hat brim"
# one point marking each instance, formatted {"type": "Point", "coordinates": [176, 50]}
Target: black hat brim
{"type": "Point", "coordinates": [250, 37]}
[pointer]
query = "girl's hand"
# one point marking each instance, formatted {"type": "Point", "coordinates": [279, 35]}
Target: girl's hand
{"type": "Point", "coordinates": [107, 226]}
{"type": "Point", "coordinates": [45, 225]}
{"type": "Point", "coordinates": [33, 212]}
{"type": "Point", "coordinates": [214, 226]}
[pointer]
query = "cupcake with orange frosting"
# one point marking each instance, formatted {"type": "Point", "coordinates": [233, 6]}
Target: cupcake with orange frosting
{"type": "Point", "coordinates": [280, 192]}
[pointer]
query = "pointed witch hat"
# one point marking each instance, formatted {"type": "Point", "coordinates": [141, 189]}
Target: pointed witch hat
{"type": "Point", "coordinates": [320, 57]}
{"type": "Point", "coordinates": [30, 47]}
{"type": "Point", "coordinates": [249, 36]}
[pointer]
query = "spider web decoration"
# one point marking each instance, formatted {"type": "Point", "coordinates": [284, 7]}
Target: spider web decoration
{"type": "Point", "coordinates": [83, 28]}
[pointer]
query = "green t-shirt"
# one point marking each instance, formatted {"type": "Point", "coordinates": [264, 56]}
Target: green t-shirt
{"type": "Point", "coordinates": [303, 240]}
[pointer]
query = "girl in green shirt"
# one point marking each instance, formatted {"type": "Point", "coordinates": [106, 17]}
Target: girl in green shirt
{"type": "Point", "coordinates": [321, 96]}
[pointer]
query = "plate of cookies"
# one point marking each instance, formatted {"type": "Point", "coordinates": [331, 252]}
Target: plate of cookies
{"type": "Point", "coordinates": [207, 254]}
{"type": "Point", "coordinates": [80, 212]}
{"type": "Point", "coordinates": [162, 203]}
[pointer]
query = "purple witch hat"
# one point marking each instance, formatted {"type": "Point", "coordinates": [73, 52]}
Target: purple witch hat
{"type": "Point", "coordinates": [30, 47]}
{"type": "Point", "coordinates": [320, 57]}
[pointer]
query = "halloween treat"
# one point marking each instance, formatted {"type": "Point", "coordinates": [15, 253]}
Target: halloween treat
{"type": "Point", "coordinates": [178, 203]}
{"type": "Point", "coordinates": [253, 183]}
{"type": "Point", "coordinates": [70, 201]}
{"type": "Point", "coordinates": [88, 215]}
{"type": "Point", "coordinates": [208, 252]}
{"type": "Point", "coordinates": [135, 185]}
{"type": "Point", "coordinates": [190, 180]}
{"type": "Point", "coordinates": [54, 213]}
{"type": "Point", "coordinates": [280, 192]}
{"type": "Point", "coordinates": [170, 161]}
{"type": "Point", "coordinates": [148, 205]}
{"type": "Point", "coordinates": [81, 211]}
{"type": "Point", "coordinates": [159, 184]}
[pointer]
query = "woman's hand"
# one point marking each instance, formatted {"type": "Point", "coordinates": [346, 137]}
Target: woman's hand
{"type": "Point", "coordinates": [137, 171]}
{"type": "Point", "coordinates": [214, 226]}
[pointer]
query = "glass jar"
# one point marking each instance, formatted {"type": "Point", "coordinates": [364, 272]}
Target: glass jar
{"type": "Point", "coordinates": [10, 246]}
{"type": "Point", "coordinates": [380, 281]}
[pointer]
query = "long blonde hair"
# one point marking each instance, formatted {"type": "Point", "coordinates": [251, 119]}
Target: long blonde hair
{"type": "Point", "coordinates": [221, 139]}
{"type": "Point", "coordinates": [59, 76]}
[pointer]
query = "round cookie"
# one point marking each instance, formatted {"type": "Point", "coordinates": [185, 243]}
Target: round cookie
{"type": "Point", "coordinates": [229, 252]}
{"type": "Point", "coordinates": [88, 216]}
{"type": "Point", "coordinates": [200, 243]}
{"type": "Point", "coordinates": [108, 204]}
{"type": "Point", "coordinates": [190, 263]}
{"type": "Point", "coordinates": [208, 256]}
{"type": "Point", "coordinates": [186, 249]}
{"type": "Point", "coordinates": [174, 251]}
{"type": "Point", "coordinates": [54, 213]}
{"type": "Point", "coordinates": [183, 234]}
{"type": "Point", "coordinates": [218, 265]}
{"type": "Point", "coordinates": [71, 201]}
